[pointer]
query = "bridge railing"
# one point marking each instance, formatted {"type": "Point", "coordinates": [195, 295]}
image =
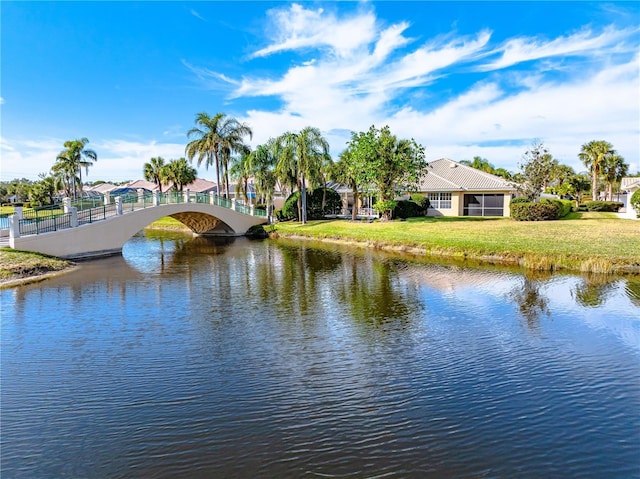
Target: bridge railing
{"type": "Point", "coordinates": [44, 224]}
{"type": "Point", "coordinates": [54, 218]}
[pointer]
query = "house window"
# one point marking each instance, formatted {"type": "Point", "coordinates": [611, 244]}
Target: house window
{"type": "Point", "coordinates": [479, 204]}
{"type": "Point", "coordinates": [440, 201]}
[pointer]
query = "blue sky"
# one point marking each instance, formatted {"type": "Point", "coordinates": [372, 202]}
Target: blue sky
{"type": "Point", "coordinates": [462, 78]}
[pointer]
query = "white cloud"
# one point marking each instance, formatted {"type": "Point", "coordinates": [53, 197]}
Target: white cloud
{"type": "Point", "coordinates": [585, 42]}
{"type": "Point", "coordinates": [496, 117]}
{"type": "Point", "coordinates": [1, 100]}
{"type": "Point", "coordinates": [298, 27]}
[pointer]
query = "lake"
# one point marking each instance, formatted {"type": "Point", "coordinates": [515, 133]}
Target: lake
{"type": "Point", "coordinates": [237, 358]}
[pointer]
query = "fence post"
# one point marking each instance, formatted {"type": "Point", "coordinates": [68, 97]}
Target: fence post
{"type": "Point", "coordinates": [14, 227]}
{"type": "Point", "coordinates": [187, 197]}
{"type": "Point", "coordinates": [156, 198]}
{"type": "Point", "coordinates": [140, 195]}
{"type": "Point", "coordinates": [17, 210]}
{"type": "Point", "coordinates": [66, 204]}
{"type": "Point", "coordinates": [107, 199]}
{"type": "Point", "coordinates": [212, 198]}
{"type": "Point", "coordinates": [118, 205]}
{"type": "Point", "coordinates": [252, 210]}
{"type": "Point", "coordinates": [74, 216]}
{"type": "Point", "coordinates": [233, 204]}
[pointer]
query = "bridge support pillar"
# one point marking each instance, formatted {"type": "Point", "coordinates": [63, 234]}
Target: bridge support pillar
{"type": "Point", "coordinates": [66, 204]}
{"type": "Point", "coordinates": [74, 216]}
{"type": "Point", "coordinates": [187, 196]}
{"type": "Point", "coordinates": [119, 205]}
{"type": "Point", "coordinates": [14, 226]}
{"type": "Point", "coordinates": [156, 198]}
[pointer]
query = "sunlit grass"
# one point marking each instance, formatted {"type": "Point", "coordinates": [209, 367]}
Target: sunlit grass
{"type": "Point", "coordinates": [21, 264]}
{"type": "Point", "coordinates": [584, 241]}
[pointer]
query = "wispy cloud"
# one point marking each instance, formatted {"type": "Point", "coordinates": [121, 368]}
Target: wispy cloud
{"type": "Point", "coordinates": [351, 86]}
{"type": "Point", "coordinates": [296, 27]}
{"type": "Point", "coordinates": [585, 42]}
{"type": "Point", "coordinates": [197, 15]}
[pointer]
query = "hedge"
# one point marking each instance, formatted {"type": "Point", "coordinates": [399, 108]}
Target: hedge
{"type": "Point", "coordinates": [609, 206]}
{"type": "Point", "coordinates": [408, 209]}
{"type": "Point", "coordinates": [289, 210]}
{"type": "Point", "coordinates": [564, 206]}
{"type": "Point", "coordinates": [535, 211]}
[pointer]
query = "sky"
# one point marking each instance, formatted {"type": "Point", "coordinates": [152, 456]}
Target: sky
{"type": "Point", "coordinates": [463, 79]}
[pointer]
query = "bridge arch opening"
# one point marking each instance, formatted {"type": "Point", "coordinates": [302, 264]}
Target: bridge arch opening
{"type": "Point", "coordinates": [203, 224]}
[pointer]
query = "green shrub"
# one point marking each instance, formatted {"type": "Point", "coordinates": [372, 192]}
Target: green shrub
{"type": "Point", "coordinates": [408, 209]}
{"type": "Point", "coordinates": [535, 211]}
{"type": "Point", "coordinates": [520, 199]}
{"type": "Point", "coordinates": [289, 210]}
{"type": "Point", "coordinates": [564, 206]}
{"type": "Point", "coordinates": [608, 206]}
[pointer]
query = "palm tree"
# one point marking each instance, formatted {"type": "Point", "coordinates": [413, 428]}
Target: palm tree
{"type": "Point", "coordinates": [241, 172]}
{"type": "Point", "coordinates": [206, 143]}
{"type": "Point", "coordinates": [65, 171]}
{"type": "Point", "coordinates": [216, 137]}
{"type": "Point", "coordinates": [262, 163]}
{"type": "Point", "coordinates": [479, 163]}
{"type": "Point", "coordinates": [77, 157]}
{"type": "Point", "coordinates": [180, 173]}
{"type": "Point", "coordinates": [301, 156]}
{"type": "Point", "coordinates": [593, 155]}
{"type": "Point", "coordinates": [614, 169]}
{"type": "Point", "coordinates": [232, 134]}
{"type": "Point", "coordinates": [155, 171]}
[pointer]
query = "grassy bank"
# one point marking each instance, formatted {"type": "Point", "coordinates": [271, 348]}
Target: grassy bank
{"type": "Point", "coordinates": [167, 223]}
{"type": "Point", "coordinates": [16, 266]}
{"type": "Point", "coordinates": [587, 242]}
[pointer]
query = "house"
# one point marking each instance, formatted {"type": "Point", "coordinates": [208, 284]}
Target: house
{"type": "Point", "coordinates": [630, 185]}
{"type": "Point", "coordinates": [455, 189]}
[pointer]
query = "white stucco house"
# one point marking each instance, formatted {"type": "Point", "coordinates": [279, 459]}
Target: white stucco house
{"type": "Point", "coordinates": [630, 185]}
{"type": "Point", "coordinates": [455, 189]}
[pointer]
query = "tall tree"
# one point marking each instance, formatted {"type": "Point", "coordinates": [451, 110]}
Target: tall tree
{"type": "Point", "coordinates": [180, 173]}
{"type": "Point", "coordinates": [241, 172]}
{"type": "Point", "coordinates": [349, 172]}
{"type": "Point", "coordinates": [155, 171]}
{"type": "Point", "coordinates": [301, 156]}
{"type": "Point", "coordinates": [78, 156]}
{"type": "Point", "coordinates": [215, 139]}
{"type": "Point", "coordinates": [206, 143]}
{"type": "Point", "coordinates": [262, 163]}
{"type": "Point", "coordinates": [537, 169]}
{"type": "Point", "coordinates": [232, 135]}
{"type": "Point", "coordinates": [593, 155]}
{"type": "Point", "coordinates": [614, 169]}
{"type": "Point", "coordinates": [392, 165]}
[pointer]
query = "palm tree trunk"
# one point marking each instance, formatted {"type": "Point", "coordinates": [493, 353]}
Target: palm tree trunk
{"type": "Point", "coordinates": [303, 201]}
{"type": "Point", "coordinates": [215, 154]}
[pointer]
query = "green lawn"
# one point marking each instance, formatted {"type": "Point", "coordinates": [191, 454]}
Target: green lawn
{"type": "Point", "coordinates": [596, 242]}
{"type": "Point", "coordinates": [22, 264]}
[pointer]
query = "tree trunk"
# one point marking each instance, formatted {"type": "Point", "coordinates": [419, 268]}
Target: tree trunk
{"type": "Point", "coordinates": [354, 210]}
{"type": "Point", "coordinates": [303, 198]}
{"type": "Point", "coordinates": [215, 154]}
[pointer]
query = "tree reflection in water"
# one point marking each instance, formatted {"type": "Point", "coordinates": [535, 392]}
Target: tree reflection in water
{"type": "Point", "coordinates": [531, 302]}
{"type": "Point", "coordinates": [593, 290]}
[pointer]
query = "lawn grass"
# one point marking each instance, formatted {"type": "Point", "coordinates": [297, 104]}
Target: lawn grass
{"type": "Point", "coordinates": [16, 265]}
{"type": "Point", "coordinates": [589, 242]}
{"type": "Point", "coordinates": [167, 223]}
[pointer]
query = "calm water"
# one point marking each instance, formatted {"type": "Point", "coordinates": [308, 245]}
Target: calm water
{"type": "Point", "coordinates": [261, 359]}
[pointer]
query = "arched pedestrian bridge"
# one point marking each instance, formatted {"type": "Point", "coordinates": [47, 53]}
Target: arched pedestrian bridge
{"type": "Point", "coordinates": [104, 229]}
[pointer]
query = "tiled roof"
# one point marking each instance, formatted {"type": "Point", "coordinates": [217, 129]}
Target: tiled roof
{"type": "Point", "coordinates": [629, 182]}
{"type": "Point", "coordinates": [449, 175]}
